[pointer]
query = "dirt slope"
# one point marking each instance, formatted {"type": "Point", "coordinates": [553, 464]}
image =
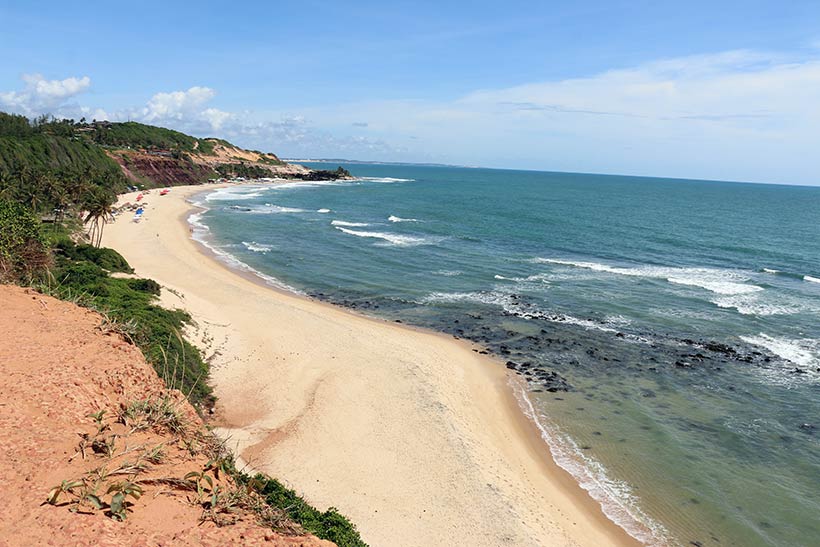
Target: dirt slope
{"type": "Point", "coordinates": [57, 367]}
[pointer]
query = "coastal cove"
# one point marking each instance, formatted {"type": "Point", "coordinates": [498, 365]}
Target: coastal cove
{"type": "Point", "coordinates": [665, 330]}
{"type": "Point", "coordinates": [414, 436]}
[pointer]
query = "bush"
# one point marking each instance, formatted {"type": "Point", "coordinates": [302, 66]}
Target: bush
{"type": "Point", "coordinates": [108, 259]}
{"type": "Point", "coordinates": [157, 331]}
{"type": "Point", "coordinates": [23, 250]}
{"type": "Point", "coordinates": [330, 525]}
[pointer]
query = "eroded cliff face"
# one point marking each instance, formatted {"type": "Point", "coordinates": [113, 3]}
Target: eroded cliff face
{"type": "Point", "coordinates": [84, 418]}
{"type": "Point", "coordinates": [155, 169]}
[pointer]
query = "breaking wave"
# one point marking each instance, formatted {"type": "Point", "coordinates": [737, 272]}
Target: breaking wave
{"type": "Point", "coordinates": [384, 179]}
{"type": "Point", "coordinates": [393, 239]}
{"type": "Point", "coordinates": [257, 247]}
{"type": "Point", "coordinates": [349, 224]}
{"type": "Point", "coordinates": [728, 282]}
{"type": "Point", "coordinates": [392, 218]}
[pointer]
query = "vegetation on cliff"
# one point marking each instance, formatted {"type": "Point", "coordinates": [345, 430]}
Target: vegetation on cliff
{"type": "Point", "coordinates": [49, 178]}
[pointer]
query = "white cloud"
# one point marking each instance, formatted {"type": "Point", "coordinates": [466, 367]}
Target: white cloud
{"type": "Point", "coordinates": [41, 95]}
{"type": "Point", "coordinates": [740, 115]}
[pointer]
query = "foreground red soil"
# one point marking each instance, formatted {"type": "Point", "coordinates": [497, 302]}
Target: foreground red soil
{"type": "Point", "coordinates": [58, 366]}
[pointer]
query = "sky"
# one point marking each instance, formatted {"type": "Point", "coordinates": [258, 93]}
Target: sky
{"type": "Point", "coordinates": [724, 90]}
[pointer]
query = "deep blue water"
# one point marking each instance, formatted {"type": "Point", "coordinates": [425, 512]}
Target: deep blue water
{"type": "Point", "coordinates": [682, 317]}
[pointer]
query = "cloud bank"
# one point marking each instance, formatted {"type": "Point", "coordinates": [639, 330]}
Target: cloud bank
{"type": "Point", "coordinates": [741, 115]}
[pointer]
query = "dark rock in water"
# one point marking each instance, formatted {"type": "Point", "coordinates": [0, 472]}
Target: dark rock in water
{"type": "Point", "coordinates": [620, 335]}
{"type": "Point", "coordinates": [554, 382]}
{"type": "Point", "coordinates": [717, 347]}
{"type": "Point", "coordinates": [798, 370]}
{"type": "Point", "coordinates": [808, 428]}
{"type": "Point", "coordinates": [397, 321]}
{"type": "Point", "coordinates": [696, 543]}
{"type": "Point", "coordinates": [512, 365]}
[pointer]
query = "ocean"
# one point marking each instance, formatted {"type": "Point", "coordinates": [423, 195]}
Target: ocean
{"type": "Point", "coordinates": [667, 331]}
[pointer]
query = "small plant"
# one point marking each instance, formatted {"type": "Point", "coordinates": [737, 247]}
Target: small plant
{"type": "Point", "coordinates": [120, 491]}
{"type": "Point", "coordinates": [200, 479]}
{"type": "Point", "coordinates": [65, 487]}
{"type": "Point", "coordinates": [161, 412]}
{"type": "Point", "coordinates": [155, 455]}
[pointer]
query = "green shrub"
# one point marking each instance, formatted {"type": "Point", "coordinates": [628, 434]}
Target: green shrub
{"type": "Point", "coordinates": [23, 251]}
{"type": "Point", "coordinates": [103, 257]}
{"type": "Point", "coordinates": [330, 525]}
{"type": "Point", "coordinates": [156, 330]}
{"type": "Point", "coordinates": [145, 285]}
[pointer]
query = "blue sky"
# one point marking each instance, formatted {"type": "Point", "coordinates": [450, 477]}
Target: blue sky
{"type": "Point", "coordinates": [721, 90]}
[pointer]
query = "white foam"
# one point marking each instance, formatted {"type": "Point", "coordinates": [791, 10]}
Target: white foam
{"type": "Point", "coordinates": [269, 209]}
{"type": "Point", "coordinates": [494, 298]}
{"type": "Point", "coordinates": [394, 239]}
{"type": "Point", "coordinates": [771, 271]}
{"type": "Point", "coordinates": [616, 498]}
{"type": "Point", "coordinates": [257, 247]}
{"type": "Point", "coordinates": [199, 235]}
{"type": "Point", "coordinates": [751, 304]}
{"type": "Point", "coordinates": [811, 279]}
{"type": "Point", "coordinates": [714, 280]}
{"type": "Point", "coordinates": [384, 179]}
{"type": "Point", "coordinates": [803, 352]}
{"type": "Point", "coordinates": [235, 193]}
{"type": "Point", "coordinates": [323, 210]}
{"type": "Point", "coordinates": [392, 218]}
{"type": "Point", "coordinates": [511, 306]}
{"type": "Point", "coordinates": [349, 224]}
{"type": "Point", "coordinates": [543, 278]}
{"type": "Point", "coordinates": [448, 273]}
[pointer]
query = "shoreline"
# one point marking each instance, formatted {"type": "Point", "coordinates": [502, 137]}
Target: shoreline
{"type": "Point", "coordinates": [426, 450]}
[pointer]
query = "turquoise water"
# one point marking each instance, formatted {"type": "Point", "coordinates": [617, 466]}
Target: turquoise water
{"type": "Point", "coordinates": [668, 331]}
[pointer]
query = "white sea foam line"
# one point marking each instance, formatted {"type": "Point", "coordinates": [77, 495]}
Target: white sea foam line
{"type": "Point", "coordinates": [750, 304]}
{"type": "Point", "coordinates": [543, 278]}
{"type": "Point", "coordinates": [268, 209]}
{"type": "Point", "coordinates": [448, 273]}
{"type": "Point", "coordinates": [384, 179]}
{"type": "Point", "coordinates": [323, 210]}
{"type": "Point", "coordinates": [804, 352]}
{"type": "Point", "coordinates": [199, 235]}
{"type": "Point", "coordinates": [349, 224]}
{"type": "Point", "coordinates": [505, 302]}
{"type": "Point", "coordinates": [392, 218]}
{"type": "Point", "coordinates": [234, 193]}
{"type": "Point", "coordinates": [713, 280]}
{"type": "Point", "coordinates": [811, 279]}
{"type": "Point", "coordinates": [313, 184]}
{"type": "Point", "coordinates": [394, 239]}
{"type": "Point", "coordinates": [617, 501]}
{"type": "Point", "coordinates": [257, 247]}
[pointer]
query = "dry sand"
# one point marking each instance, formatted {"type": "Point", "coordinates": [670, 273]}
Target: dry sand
{"type": "Point", "coordinates": [415, 437]}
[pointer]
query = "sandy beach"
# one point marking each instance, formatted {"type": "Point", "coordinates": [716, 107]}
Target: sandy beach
{"type": "Point", "coordinates": [415, 437]}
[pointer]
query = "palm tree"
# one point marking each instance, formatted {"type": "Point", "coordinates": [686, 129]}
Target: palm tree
{"type": "Point", "coordinates": [97, 204]}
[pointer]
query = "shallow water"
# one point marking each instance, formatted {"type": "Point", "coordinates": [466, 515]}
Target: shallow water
{"type": "Point", "coordinates": [669, 330]}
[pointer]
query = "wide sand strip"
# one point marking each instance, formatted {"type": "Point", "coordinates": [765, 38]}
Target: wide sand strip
{"type": "Point", "coordinates": [415, 437]}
